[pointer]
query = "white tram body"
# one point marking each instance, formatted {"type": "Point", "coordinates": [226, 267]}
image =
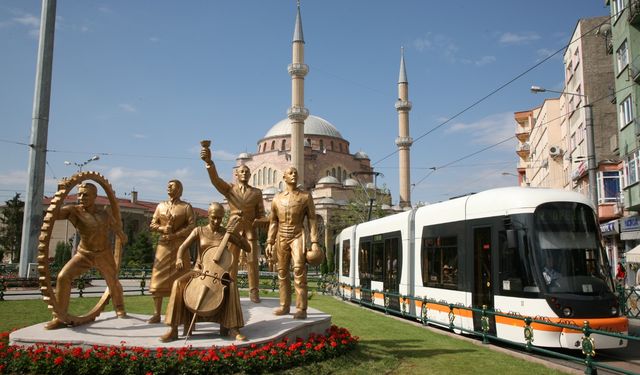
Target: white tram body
{"type": "Point", "coordinates": [491, 249]}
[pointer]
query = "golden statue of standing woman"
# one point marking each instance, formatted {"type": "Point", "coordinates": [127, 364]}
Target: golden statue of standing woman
{"type": "Point", "coordinates": [174, 219]}
{"type": "Point", "coordinates": [246, 202]}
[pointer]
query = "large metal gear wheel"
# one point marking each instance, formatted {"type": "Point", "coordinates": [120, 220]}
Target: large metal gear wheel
{"type": "Point", "coordinates": [48, 292]}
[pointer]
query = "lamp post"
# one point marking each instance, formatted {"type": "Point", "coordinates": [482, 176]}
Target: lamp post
{"type": "Point", "coordinates": [591, 147]}
{"type": "Point", "coordinates": [80, 165]}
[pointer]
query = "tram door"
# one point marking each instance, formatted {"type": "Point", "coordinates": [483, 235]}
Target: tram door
{"type": "Point", "coordinates": [482, 294]}
{"type": "Point", "coordinates": [364, 270]}
{"type": "Point", "coordinates": [391, 281]}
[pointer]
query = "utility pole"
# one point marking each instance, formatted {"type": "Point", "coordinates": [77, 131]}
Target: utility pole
{"type": "Point", "coordinates": [38, 146]}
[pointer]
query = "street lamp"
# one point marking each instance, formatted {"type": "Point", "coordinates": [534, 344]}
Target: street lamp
{"type": "Point", "coordinates": [80, 165]}
{"type": "Point", "coordinates": [521, 178]}
{"type": "Point", "coordinates": [591, 147]}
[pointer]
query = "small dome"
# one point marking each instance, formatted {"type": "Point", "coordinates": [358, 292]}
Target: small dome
{"type": "Point", "coordinates": [271, 190]}
{"type": "Point", "coordinates": [328, 180]}
{"type": "Point", "coordinates": [313, 125]}
{"type": "Point", "coordinates": [244, 155]}
{"type": "Point", "coordinates": [361, 155]}
{"type": "Point", "coordinates": [350, 182]}
{"type": "Point", "coordinates": [326, 200]}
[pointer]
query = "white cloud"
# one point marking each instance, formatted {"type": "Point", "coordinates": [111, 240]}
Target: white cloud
{"type": "Point", "coordinates": [489, 130]}
{"type": "Point", "coordinates": [127, 107]}
{"type": "Point", "coordinates": [448, 49]}
{"type": "Point", "coordinates": [216, 154]}
{"type": "Point", "coordinates": [514, 38]}
{"type": "Point", "coordinates": [485, 60]}
{"type": "Point", "coordinates": [28, 20]}
{"type": "Point", "coordinates": [104, 9]}
{"type": "Point", "coordinates": [139, 136]}
{"type": "Point", "coordinates": [154, 39]}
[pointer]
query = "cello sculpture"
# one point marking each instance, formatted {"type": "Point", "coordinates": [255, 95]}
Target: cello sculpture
{"type": "Point", "coordinates": [209, 290]}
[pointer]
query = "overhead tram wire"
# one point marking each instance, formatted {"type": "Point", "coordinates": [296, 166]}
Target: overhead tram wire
{"type": "Point", "coordinates": [496, 90]}
{"type": "Point", "coordinates": [568, 114]}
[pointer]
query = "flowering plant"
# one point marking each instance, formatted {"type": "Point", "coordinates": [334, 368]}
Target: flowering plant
{"type": "Point", "coordinates": [256, 358]}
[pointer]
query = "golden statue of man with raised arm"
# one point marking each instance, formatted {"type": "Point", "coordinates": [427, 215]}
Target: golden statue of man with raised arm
{"type": "Point", "coordinates": [288, 211]}
{"type": "Point", "coordinates": [244, 201]}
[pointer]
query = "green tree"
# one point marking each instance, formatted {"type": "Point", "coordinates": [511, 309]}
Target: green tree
{"type": "Point", "coordinates": [63, 253]}
{"type": "Point", "coordinates": [11, 216]}
{"type": "Point", "coordinates": [356, 211]}
{"type": "Point", "coordinates": [139, 251]}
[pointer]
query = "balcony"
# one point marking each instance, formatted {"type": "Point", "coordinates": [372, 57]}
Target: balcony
{"type": "Point", "coordinates": [634, 12]}
{"type": "Point", "coordinates": [523, 151]}
{"type": "Point", "coordinates": [523, 136]}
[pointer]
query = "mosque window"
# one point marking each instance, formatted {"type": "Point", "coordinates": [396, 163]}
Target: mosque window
{"type": "Point", "coordinates": [339, 173]}
{"type": "Point", "coordinates": [331, 145]}
{"type": "Point", "coordinates": [269, 177]}
{"type": "Point", "coordinates": [328, 173]}
{"type": "Point", "coordinates": [264, 147]}
{"type": "Point", "coordinates": [309, 141]}
{"type": "Point", "coordinates": [284, 145]}
{"type": "Point", "coordinates": [280, 186]}
{"type": "Point", "coordinates": [273, 145]}
{"type": "Point", "coordinates": [274, 177]}
{"type": "Point", "coordinates": [340, 146]}
{"type": "Point", "coordinates": [254, 180]}
{"type": "Point", "coordinates": [344, 175]}
{"type": "Point", "coordinates": [321, 145]}
{"type": "Point", "coordinates": [259, 177]}
{"type": "Point", "coordinates": [333, 172]}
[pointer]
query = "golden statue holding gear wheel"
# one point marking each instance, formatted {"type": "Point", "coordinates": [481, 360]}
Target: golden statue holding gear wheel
{"type": "Point", "coordinates": [288, 211]}
{"type": "Point", "coordinates": [94, 250]}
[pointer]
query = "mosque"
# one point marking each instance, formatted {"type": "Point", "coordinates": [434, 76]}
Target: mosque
{"type": "Point", "coordinates": [323, 158]}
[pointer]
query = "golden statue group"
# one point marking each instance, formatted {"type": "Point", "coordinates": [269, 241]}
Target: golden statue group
{"type": "Point", "coordinates": [209, 290]}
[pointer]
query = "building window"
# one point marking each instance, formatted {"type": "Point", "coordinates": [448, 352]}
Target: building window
{"type": "Point", "coordinates": [264, 147]}
{"type": "Point", "coordinates": [617, 6]}
{"type": "Point", "coordinates": [259, 177]}
{"type": "Point", "coordinates": [339, 175]}
{"type": "Point", "coordinates": [622, 56]}
{"type": "Point", "coordinates": [283, 145]}
{"type": "Point", "coordinates": [346, 257]}
{"type": "Point", "coordinates": [344, 175]}
{"type": "Point", "coordinates": [321, 145]}
{"type": "Point", "coordinates": [626, 112]}
{"type": "Point", "coordinates": [331, 144]}
{"type": "Point", "coordinates": [340, 146]}
{"type": "Point", "coordinates": [274, 176]}
{"type": "Point", "coordinates": [333, 172]}
{"type": "Point", "coordinates": [631, 169]}
{"type": "Point", "coordinates": [608, 186]}
{"type": "Point", "coordinates": [269, 177]}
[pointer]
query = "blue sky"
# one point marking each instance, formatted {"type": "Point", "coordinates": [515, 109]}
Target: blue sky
{"type": "Point", "coordinates": [139, 83]}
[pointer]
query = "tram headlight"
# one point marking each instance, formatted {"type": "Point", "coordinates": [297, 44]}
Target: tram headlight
{"type": "Point", "coordinates": [567, 311]}
{"type": "Point", "coordinates": [614, 310]}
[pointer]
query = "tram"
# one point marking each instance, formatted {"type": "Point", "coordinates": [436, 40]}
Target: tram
{"type": "Point", "coordinates": [524, 252]}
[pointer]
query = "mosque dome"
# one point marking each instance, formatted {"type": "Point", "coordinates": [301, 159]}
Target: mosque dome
{"type": "Point", "coordinates": [361, 155]}
{"type": "Point", "coordinates": [328, 180]}
{"type": "Point", "coordinates": [350, 182]}
{"type": "Point", "coordinates": [313, 125]}
{"type": "Point", "coordinates": [244, 155]}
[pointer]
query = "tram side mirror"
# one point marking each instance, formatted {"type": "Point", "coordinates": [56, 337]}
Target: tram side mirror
{"type": "Point", "coordinates": [512, 238]}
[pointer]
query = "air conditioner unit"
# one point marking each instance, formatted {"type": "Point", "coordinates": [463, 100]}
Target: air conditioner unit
{"type": "Point", "coordinates": [555, 151]}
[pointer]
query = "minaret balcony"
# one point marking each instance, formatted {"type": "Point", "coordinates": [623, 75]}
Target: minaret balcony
{"type": "Point", "coordinates": [297, 113]}
{"type": "Point", "coordinates": [298, 69]}
{"type": "Point", "coordinates": [404, 142]}
{"type": "Point", "coordinates": [403, 105]}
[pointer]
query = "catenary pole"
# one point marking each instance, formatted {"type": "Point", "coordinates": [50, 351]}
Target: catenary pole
{"type": "Point", "coordinates": [38, 145]}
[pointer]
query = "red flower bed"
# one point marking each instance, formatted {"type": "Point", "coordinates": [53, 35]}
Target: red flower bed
{"type": "Point", "coordinates": [66, 359]}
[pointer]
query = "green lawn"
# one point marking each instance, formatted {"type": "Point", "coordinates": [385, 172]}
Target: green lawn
{"type": "Point", "coordinates": [387, 345]}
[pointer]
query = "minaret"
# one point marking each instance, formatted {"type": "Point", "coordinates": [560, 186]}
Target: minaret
{"type": "Point", "coordinates": [404, 141]}
{"type": "Point", "coordinates": [297, 113]}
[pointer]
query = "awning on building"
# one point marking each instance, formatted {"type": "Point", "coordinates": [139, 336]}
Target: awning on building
{"type": "Point", "coordinates": [633, 255]}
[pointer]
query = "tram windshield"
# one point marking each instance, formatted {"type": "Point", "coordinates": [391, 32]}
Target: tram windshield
{"type": "Point", "coordinates": [569, 257]}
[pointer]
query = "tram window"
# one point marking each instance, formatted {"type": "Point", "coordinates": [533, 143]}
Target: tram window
{"type": "Point", "coordinates": [440, 262]}
{"type": "Point", "coordinates": [363, 260]}
{"type": "Point", "coordinates": [346, 257]}
{"type": "Point", "coordinates": [377, 259]}
{"type": "Point", "coordinates": [514, 275]}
